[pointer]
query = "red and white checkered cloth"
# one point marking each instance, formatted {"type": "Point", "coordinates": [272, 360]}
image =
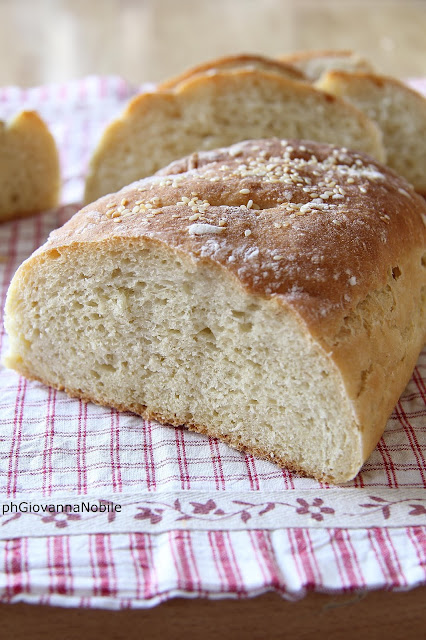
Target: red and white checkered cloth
{"type": "Point", "coordinates": [157, 512]}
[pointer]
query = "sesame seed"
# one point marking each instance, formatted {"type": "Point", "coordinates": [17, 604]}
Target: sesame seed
{"type": "Point", "coordinates": [249, 204]}
{"type": "Point", "coordinates": [404, 193]}
{"type": "Point", "coordinates": [245, 191]}
{"type": "Point", "coordinates": [247, 232]}
{"type": "Point", "coordinates": [136, 209]}
{"type": "Point", "coordinates": [194, 217]}
{"type": "Point", "coordinates": [352, 281]}
{"type": "Point", "coordinates": [278, 257]}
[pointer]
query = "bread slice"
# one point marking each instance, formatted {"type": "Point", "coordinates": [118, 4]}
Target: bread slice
{"type": "Point", "coordinates": [29, 167]}
{"type": "Point", "coordinates": [207, 112]}
{"type": "Point", "coordinates": [241, 61]}
{"type": "Point", "coordinates": [273, 297]}
{"type": "Point", "coordinates": [314, 63]}
{"type": "Point", "coordinates": [399, 111]}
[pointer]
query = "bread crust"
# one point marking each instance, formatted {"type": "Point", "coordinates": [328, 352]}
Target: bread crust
{"type": "Point", "coordinates": [235, 62]}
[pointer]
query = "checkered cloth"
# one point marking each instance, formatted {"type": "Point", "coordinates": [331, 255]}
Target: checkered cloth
{"type": "Point", "coordinates": [157, 512]}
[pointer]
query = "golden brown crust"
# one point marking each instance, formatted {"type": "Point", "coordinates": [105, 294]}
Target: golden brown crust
{"type": "Point", "coordinates": [236, 62]}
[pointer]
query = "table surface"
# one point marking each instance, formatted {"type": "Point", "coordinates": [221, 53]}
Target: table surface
{"type": "Point", "coordinates": [149, 40]}
{"type": "Point", "coordinates": [386, 616]}
{"type": "Point", "coordinates": [52, 41]}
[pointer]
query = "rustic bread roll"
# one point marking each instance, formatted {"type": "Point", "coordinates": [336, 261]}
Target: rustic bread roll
{"type": "Point", "coordinates": [29, 167]}
{"type": "Point", "coordinates": [399, 111]}
{"type": "Point", "coordinates": [272, 296]}
{"type": "Point", "coordinates": [242, 61]}
{"type": "Point", "coordinates": [314, 63]}
{"type": "Point", "coordinates": [210, 111]}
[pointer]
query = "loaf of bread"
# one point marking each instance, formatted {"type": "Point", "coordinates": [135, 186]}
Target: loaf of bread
{"type": "Point", "coordinates": [242, 61]}
{"type": "Point", "coordinates": [314, 63]}
{"type": "Point", "coordinates": [270, 294]}
{"type": "Point", "coordinates": [210, 111]}
{"type": "Point", "coordinates": [29, 167]}
{"type": "Point", "coordinates": [399, 111]}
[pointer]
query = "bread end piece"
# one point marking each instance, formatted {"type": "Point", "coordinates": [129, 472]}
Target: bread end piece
{"type": "Point", "coordinates": [29, 167]}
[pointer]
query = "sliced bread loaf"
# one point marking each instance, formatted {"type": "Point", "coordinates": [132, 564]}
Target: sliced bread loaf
{"type": "Point", "coordinates": [273, 297]}
{"type": "Point", "coordinates": [209, 111]}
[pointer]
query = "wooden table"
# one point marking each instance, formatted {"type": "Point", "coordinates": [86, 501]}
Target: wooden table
{"type": "Point", "coordinates": [375, 615]}
{"type": "Point", "coordinates": [47, 41]}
